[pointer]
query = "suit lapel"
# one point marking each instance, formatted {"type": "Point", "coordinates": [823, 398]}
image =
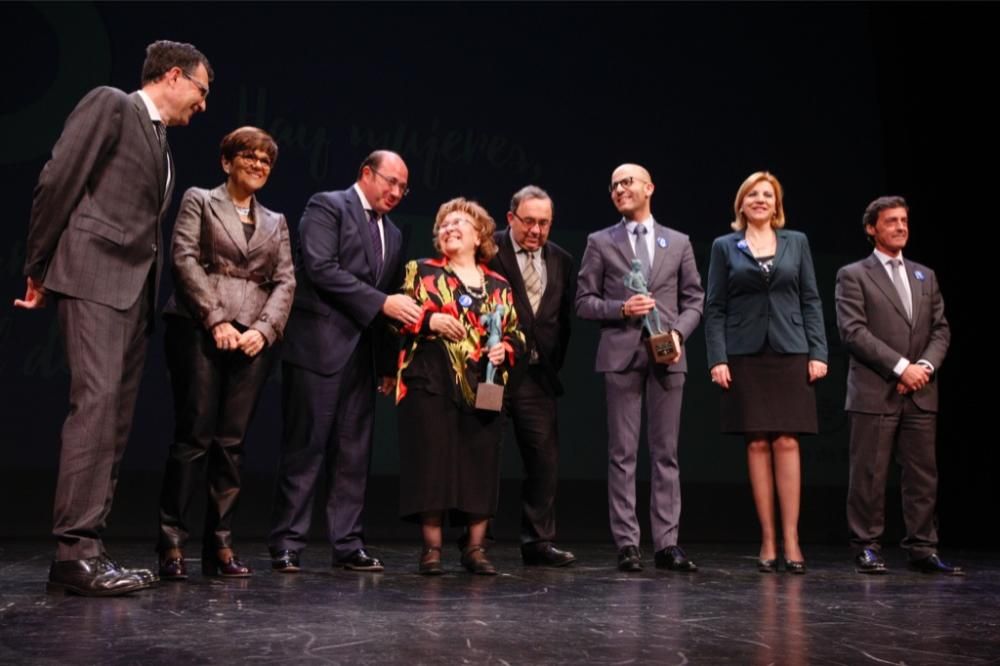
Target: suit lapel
{"type": "Point", "coordinates": [152, 142]}
{"type": "Point", "coordinates": [393, 244]}
{"type": "Point", "coordinates": [781, 242]}
{"type": "Point", "coordinates": [225, 212]}
{"type": "Point", "coordinates": [661, 245]}
{"type": "Point", "coordinates": [266, 226]}
{"type": "Point", "coordinates": [916, 288]}
{"type": "Point", "coordinates": [619, 235]}
{"type": "Point", "coordinates": [358, 217]}
{"type": "Point", "coordinates": [553, 286]}
{"type": "Point", "coordinates": [508, 262]}
{"type": "Point", "coordinates": [881, 279]}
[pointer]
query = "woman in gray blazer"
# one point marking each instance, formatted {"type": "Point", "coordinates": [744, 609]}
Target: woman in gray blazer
{"type": "Point", "coordinates": [766, 347]}
{"type": "Point", "coordinates": [234, 279]}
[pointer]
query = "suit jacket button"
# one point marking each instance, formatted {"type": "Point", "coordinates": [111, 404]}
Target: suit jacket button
{"type": "Point", "coordinates": [154, 248]}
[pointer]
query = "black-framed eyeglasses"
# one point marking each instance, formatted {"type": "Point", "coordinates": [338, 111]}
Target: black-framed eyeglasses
{"type": "Point", "coordinates": [202, 88]}
{"type": "Point", "coordinates": [625, 182]}
{"type": "Point", "coordinates": [252, 158]}
{"type": "Point", "coordinates": [531, 222]}
{"type": "Point", "coordinates": [393, 183]}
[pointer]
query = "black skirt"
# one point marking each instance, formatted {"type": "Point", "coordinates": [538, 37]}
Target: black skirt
{"type": "Point", "coordinates": [770, 392]}
{"type": "Point", "coordinates": [449, 458]}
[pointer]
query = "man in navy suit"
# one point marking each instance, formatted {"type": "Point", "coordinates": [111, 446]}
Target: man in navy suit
{"type": "Point", "coordinates": [891, 318]}
{"type": "Point", "coordinates": [338, 347]}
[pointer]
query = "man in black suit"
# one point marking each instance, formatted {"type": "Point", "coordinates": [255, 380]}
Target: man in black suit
{"type": "Point", "coordinates": [337, 350]}
{"type": "Point", "coordinates": [93, 246]}
{"type": "Point", "coordinates": [542, 277]}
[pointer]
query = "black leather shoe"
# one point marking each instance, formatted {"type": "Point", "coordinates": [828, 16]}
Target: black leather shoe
{"type": "Point", "coordinates": [546, 554]}
{"type": "Point", "coordinates": [359, 560]}
{"type": "Point", "coordinates": [629, 559]}
{"type": "Point", "coordinates": [144, 574]}
{"type": "Point", "coordinates": [767, 566]}
{"type": "Point", "coordinates": [795, 566]}
{"type": "Point", "coordinates": [673, 558]}
{"type": "Point", "coordinates": [285, 561]}
{"type": "Point", "coordinates": [869, 561]}
{"type": "Point", "coordinates": [475, 561]}
{"type": "Point", "coordinates": [173, 568]}
{"type": "Point", "coordinates": [430, 561]}
{"type": "Point", "coordinates": [93, 577]}
{"type": "Point", "coordinates": [932, 564]}
{"type": "Point", "coordinates": [211, 565]}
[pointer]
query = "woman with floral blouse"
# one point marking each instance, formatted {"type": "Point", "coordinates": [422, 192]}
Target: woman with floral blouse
{"type": "Point", "coordinates": [449, 450]}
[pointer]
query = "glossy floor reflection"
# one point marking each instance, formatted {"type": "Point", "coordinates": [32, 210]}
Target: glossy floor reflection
{"type": "Point", "coordinates": [585, 614]}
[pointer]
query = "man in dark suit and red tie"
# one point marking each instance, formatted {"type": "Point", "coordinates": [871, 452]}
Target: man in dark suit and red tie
{"type": "Point", "coordinates": [94, 248]}
{"type": "Point", "coordinates": [891, 318]}
{"type": "Point", "coordinates": [542, 277]}
{"type": "Point", "coordinates": [338, 349]}
{"type": "Point", "coordinates": [630, 375]}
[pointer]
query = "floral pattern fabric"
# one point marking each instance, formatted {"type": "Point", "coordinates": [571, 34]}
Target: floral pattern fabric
{"type": "Point", "coordinates": [437, 289]}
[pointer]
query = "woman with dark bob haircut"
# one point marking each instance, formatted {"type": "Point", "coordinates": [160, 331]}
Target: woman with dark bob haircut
{"type": "Point", "coordinates": [234, 281]}
{"type": "Point", "coordinates": [450, 451]}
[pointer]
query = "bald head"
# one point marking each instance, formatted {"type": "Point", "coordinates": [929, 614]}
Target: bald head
{"type": "Point", "coordinates": [631, 191]}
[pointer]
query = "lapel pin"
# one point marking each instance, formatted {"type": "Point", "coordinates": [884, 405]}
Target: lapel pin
{"type": "Point", "coordinates": [742, 245]}
{"type": "Point", "coordinates": [919, 275]}
{"type": "Point", "coordinates": [661, 241]}
{"type": "Point", "coordinates": [465, 300]}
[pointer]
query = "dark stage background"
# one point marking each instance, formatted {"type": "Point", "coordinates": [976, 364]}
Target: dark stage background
{"type": "Point", "coordinates": [843, 102]}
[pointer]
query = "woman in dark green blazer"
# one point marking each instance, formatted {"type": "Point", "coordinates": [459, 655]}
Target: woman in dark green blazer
{"type": "Point", "coordinates": [766, 347]}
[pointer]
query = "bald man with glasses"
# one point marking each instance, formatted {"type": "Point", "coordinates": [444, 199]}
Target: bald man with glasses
{"type": "Point", "coordinates": [630, 374]}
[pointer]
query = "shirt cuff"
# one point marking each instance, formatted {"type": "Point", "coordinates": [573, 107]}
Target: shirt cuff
{"type": "Point", "coordinates": [901, 366]}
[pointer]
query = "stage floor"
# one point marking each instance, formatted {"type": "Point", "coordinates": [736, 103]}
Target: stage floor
{"type": "Point", "coordinates": [585, 614]}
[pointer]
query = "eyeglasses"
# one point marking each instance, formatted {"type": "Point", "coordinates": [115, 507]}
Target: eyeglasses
{"type": "Point", "coordinates": [202, 88]}
{"type": "Point", "coordinates": [530, 221]}
{"type": "Point", "coordinates": [393, 183]}
{"type": "Point", "coordinates": [444, 226]}
{"type": "Point", "coordinates": [251, 158]}
{"type": "Point", "coordinates": [625, 182]}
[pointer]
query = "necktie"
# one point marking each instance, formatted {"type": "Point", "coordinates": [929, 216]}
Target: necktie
{"type": "Point", "coordinates": [641, 249]}
{"type": "Point", "coordinates": [161, 135]}
{"type": "Point", "coordinates": [897, 281]}
{"type": "Point", "coordinates": [376, 240]}
{"type": "Point", "coordinates": [532, 281]}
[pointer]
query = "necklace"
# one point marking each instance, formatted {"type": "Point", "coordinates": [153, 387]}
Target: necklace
{"type": "Point", "coordinates": [241, 211]}
{"type": "Point", "coordinates": [480, 292]}
{"type": "Point", "coordinates": [760, 250]}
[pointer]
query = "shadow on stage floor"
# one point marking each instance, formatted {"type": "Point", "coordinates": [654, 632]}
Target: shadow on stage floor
{"type": "Point", "coordinates": [585, 614]}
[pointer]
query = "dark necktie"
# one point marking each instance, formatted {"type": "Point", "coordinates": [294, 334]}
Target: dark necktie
{"type": "Point", "coordinates": [641, 249]}
{"type": "Point", "coordinates": [532, 281]}
{"type": "Point", "coordinates": [897, 281]}
{"type": "Point", "coordinates": [376, 240]}
{"type": "Point", "coordinates": [161, 135]}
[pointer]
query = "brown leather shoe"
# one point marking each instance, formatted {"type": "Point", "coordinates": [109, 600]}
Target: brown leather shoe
{"type": "Point", "coordinates": [475, 561]}
{"type": "Point", "coordinates": [211, 565]}
{"type": "Point", "coordinates": [92, 577]}
{"type": "Point", "coordinates": [172, 568]}
{"type": "Point", "coordinates": [430, 561]}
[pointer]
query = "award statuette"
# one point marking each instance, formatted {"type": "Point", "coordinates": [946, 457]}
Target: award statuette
{"type": "Point", "coordinates": [660, 343]}
{"type": "Point", "coordinates": [489, 396]}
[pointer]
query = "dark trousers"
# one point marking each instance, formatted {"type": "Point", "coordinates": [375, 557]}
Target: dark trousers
{"type": "Point", "coordinates": [875, 438]}
{"type": "Point", "coordinates": [105, 351]}
{"type": "Point", "coordinates": [215, 394]}
{"type": "Point", "coordinates": [328, 427]}
{"type": "Point", "coordinates": [533, 412]}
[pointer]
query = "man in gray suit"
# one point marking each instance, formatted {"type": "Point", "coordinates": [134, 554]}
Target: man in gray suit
{"type": "Point", "coordinates": [891, 318]}
{"type": "Point", "coordinates": [629, 373]}
{"type": "Point", "coordinates": [94, 247]}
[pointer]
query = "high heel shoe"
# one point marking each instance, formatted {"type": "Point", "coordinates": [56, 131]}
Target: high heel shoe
{"type": "Point", "coordinates": [430, 561]}
{"type": "Point", "coordinates": [767, 566]}
{"type": "Point", "coordinates": [211, 565]}
{"type": "Point", "coordinates": [795, 566]}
